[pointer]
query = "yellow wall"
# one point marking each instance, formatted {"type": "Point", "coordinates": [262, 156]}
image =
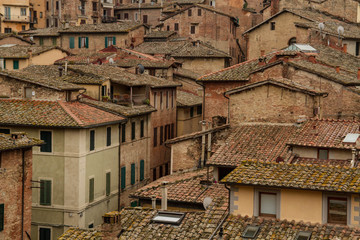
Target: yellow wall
{"type": "Point", "coordinates": [16, 21]}
{"type": "Point", "coordinates": [243, 200]}
{"type": "Point", "coordinates": [203, 65]}
{"type": "Point", "coordinates": [49, 57]}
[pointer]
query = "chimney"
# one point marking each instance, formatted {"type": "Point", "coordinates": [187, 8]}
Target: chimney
{"type": "Point", "coordinates": [345, 48]}
{"type": "Point", "coordinates": [312, 58]}
{"type": "Point", "coordinates": [66, 67]}
{"type": "Point", "coordinates": [358, 75]}
{"type": "Point", "coordinates": [164, 195]}
{"type": "Point", "coordinates": [353, 158]}
{"type": "Point", "coordinates": [262, 61]}
{"type": "Point", "coordinates": [337, 69]}
{"type": "Point", "coordinates": [262, 52]}
{"type": "Point", "coordinates": [153, 201]}
{"type": "Point", "coordinates": [60, 71]}
{"type": "Point", "coordinates": [30, 56]}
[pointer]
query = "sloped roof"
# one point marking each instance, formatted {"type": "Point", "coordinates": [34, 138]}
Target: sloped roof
{"type": "Point", "coordinates": [295, 176]}
{"type": "Point", "coordinates": [326, 133]}
{"type": "Point", "coordinates": [53, 114]}
{"type": "Point", "coordinates": [351, 31]}
{"type": "Point", "coordinates": [160, 34]}
{"type": "Point", "coordinates": [264, 142]}
{"type": "Point", "coordinates": [140, 5]}
{"type": "Point", "coordinates": [7, 35]}
{"type": "Point", "coordinates": [80, 234]}
{"type": "Point", "coordinates": [159, 47]}
{"type": "Point", "coordinates": [85, 58]}
{"type": "Point", "coordinates": [186, 99]}
{"type": "Point", "coordinates": [22, 51]}
{"type": "Point", "coordinates": [199, 49]}
{"type": "Point", "coordinates": [118, 27]}
{"type": "Point", "coordinates": [8, 143]}
{"type": "Point", "coordinates": [42, 32]}
{"type": "Point", "coordinates": [186, 73]}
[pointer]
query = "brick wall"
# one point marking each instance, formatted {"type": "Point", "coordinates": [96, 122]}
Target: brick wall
{"type": "Point", "coordinates": [11, 192]}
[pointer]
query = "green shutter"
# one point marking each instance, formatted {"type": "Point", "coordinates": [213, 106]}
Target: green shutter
{"type": "Point", "coordinates": [87, 42]}
{"type": "Point", "coordinates": [108, 136]}
{"type": "Point", "coordinates": [47, 138]}
{"type": "Point", "coordinates": [2, 216]}
{"type": "Point", "coordinates": [15, 64]}
{"type": "Point", "coordinates": [142, 169]}
{"type": "Point", "coordinates": [114, 41]}
{"type": "Point", "coordinates": [108, 181]}
{"type": "Point", "coordinates": [92, 140]}
{"type": "Point", "coordinates": [123, 177]}
{"type": "Point", "coordinates": [134, 204]}
{"type": "Point", "coordinates": [106, 42]}
{"type": "Point", "coordinates": [45, 192]}
{"type": "Point", "coordinates": [91, 189]}
{"type": "Point", "coordinates": [79, 42]}
{"type": "Point", "coordinates": [72, 42]}
{"type": "Point", "coordinates": [132, 130]}
{"type": "Point", "coordinates": [133, 174]}
{"type": "Point", "coordinates": [4, 63]}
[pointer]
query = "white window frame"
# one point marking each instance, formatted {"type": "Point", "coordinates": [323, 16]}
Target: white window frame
{"type": "Point", "coordinates": [325, 206]}
{"type": "Point", "coordinates": [257, 198]}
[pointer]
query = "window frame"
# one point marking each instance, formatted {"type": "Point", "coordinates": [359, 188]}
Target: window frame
{"type": "Point", "coordinates": [318, 153]}
{"type": "Point", "coordinates": [45, 227]}
{"type": "Point", "coordinates": [23, 11]}
{"type": "Point", "coordinates": [155, 100]}
{"type": "Point", "coordinates": [16, 64]}
{"type": "Point", "coordinates": [267, 214]}
{"type": "Point", "coordinates": [176, 26]}
{"type": "Point", "coordinates": [133, 174]}
{"type": "Point", "coordinates": [2, 216]}
{"type": "Point", "coordinates": [46, 203]}
{"type": "Point", "coordinates": [91, 196]}
{"type": "Point", "coordinates": [348, 211]}
{"type": "Point", "coordinates": [272, 26]}
{"type": "Point", "coordinates": [92, 145]}
{"type": "Point", "coordinates": [142, 170]}
{"type": "Point", "coordinates": [51, 143]}
{"type": "Point", "coordinates": [142, 128]}
{"type": "Point", "coordinates": [108, 186]}
{"type": "Point", "coordinates": [192, 29]}
{"type": "Point", "coordinates": [108, 136]}
{"type": "Point", "coordinates": [123, 177]}
{"type": "Point", "coordinates": [133, 130]}
{"type": "Point", "coordinates": [123, 133]}
{"type": "Point", "coordinates": [257, 200]}
{"type": "Point", "coordinates": [155, 137]}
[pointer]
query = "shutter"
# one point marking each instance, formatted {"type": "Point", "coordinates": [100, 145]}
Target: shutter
{"type": "Point", "coordinates": [2, 216]}
{"type": "Point", "coordinates": [72, 42]}
{"type": "Point", "coordinates": [45, 192]}
{"type": "Point", "coordinates": [123, 177]}
{"type": "Point", "coordinates": [79, 42]}
{"type": "Point", "coordinates": [91, 189]}
{"type": "Point", "coordinates": [134, 204]}
{"type": "Point", "coordinates": [46, 136]}
{"type": "Point", "coordinates": [142, 169]}
{"type": "Point", "coordinates": [16, 64]}
{"type": "Point", "coordinates": [86, 42]}
{"type": "Point", "coordinates": [133, 174]}
{"type": "Point", "coordinates": [108, 181]}
{"type": "Point", "coordinates": [108, 136]}
{"type": "Point", "coordinates": [106, 42]}
{"type": "Point", "coordinates": [114, 41]}
{"type": "Point", "coordinates": [123, 133]}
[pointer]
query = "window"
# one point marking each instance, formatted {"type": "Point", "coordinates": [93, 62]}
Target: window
{"type": "Point", "coordinates": [47, 23]}
{"type": "Point", "coordinates": [267, 204]}
{"type": "Point", "coordinates": [94, 6]}
{"type": "Point", "coordinates": [15, 64]}
{"type": "Point", "coordinates": [161, 100]}
{"type": "Point", "coordinates": [176, 27]}
{"type": "Point", "coordinates": [71, 42]}
{"type": "Point", "coordinates": [108, 136]}
{"type": "Point", "coordinates": [91, 189]}
{"type": "Point", "coordinates": [23, 11]}
{"type": "Point", "coordinates": [155, 137]}
{"type": "Point", "coordinates": [166, 169]}
{"type": "Point", "coordinates": [44, 233]}
{"type": "Point", "coordinates": [7, 13]}
{"type": "Point", "coordinates": [91, 225]}
{"type": "Point", "coordinates": [337, 210]}
{"type": "Point", "coordinates": [123, 133]}
{"type": "Point", "coordinates": [56, 22]}
{"type": "Point", "coordinates": [192, 112]}
{"type": "Point", "coordinates": [160, 171]}
{"type": "Point", "coordinates": [323, 154]}
{"type": "Point", "coordinates": [172, 98]}
{"type": "Point", "coordinates": [165, 132]}
{"type": "Point", "coordinates": [5, 130]}
{"type": "Point", "coordinates": [142, 170]}
{"type": "Point", "coordinates": [142, 128]}
{"type": "Point", "coordinates": [155, 100]}
{"type": "Point", "coordinates": [161, 134]}
{"type": "Point", "coordinates": [47, 6]}
{"type": "Point", "coordinates": [132, 173]}
{"type": "Point", "coordinates": [250, 232]}
{"type": "Point", "coordinates": [54, 41]}
{"type": "Point", "coordinates": [167, 99]}
{"type": "Point", "coordinates": [23, 27]}
{"type": "Point", "coordinates": [145, 18]}
{"type": "Point", "coordinates": [357, 50]}
{"type": "Point", "coordinates": [46, 136]}
{"type": "Point", "coordinates": [173, 218]}
{"type": "Point", "coordinates": [2, 216]}
{"type": "Point", "coordinates": [126, 16]}
{"type": "Point", "coordinates": [8, 30]}
{"type": "Point", "coordinates": [167, 28]}
{"type": "Point", "coordinates": [41, 14]}
{"type": "Point", "coordinates": [103, 90]}
{"type": "Point", "coordinates": [192, 29]}
{"type": "Point", "coordinates": [272, 26]}
{"type": "Point", "coordinates": [303, 236]}
{"type": "Point", "coordinates": [41, 41]}
{"type": "Point", "coordinates": [83, 42]}
{"type": "Point", "coordinates": [108, 183]}
{"type": "Point", "coordinates": [134, 204]}
{"type": "Point", "coordinates": [132, 130]}
{"type": "Point", "coordinates": [92, 140]}
{"type": "Point", "coordinates": [154, 174]}
{"type": "Point", "coordinates": [123, 177]}
{"type": "Point", "coordinates": [172, 130]}
{"type": "Point", "coordinates": [45, 192]}
{"type": "Point", "coordinates": [57, 5]}
{"type": "Point", "coordinates": [28, 92]}
{"type": "Point", "coordinates": [199, 12]}
{"type": "Point", "coordinates": [199, 110]}
{"type": "Point", "coordinates": [189, 13]}
{"type": "Point", "coordinates": [109, 41]}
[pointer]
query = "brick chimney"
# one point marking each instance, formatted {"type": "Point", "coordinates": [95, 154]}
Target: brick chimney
{"type": "Point", "coordinates": [164, 195]}
{"type": "Point", "coordinates": [358, 75]}
{"type": "Point", "coordinates": [312, 58]}
{"type": "Point", "coordinates": [345, 48]}
{"type": "Point", "coordinates": [337, 69]}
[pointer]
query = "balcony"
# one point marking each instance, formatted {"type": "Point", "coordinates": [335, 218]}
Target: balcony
{"type": "Point", "coordinates": [16, 18]}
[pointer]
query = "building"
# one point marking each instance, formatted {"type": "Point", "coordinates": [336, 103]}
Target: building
{"type": "Point", "coordinates": [37, 14]}
{"type": "Point", "coordinates": [16, 184]}
{"type": "Point", "coordinates": [15, 16]}
{"type": "Point", "coordinates": [14, 57]}
{"type": "Point", "coordinates": [9, 38]}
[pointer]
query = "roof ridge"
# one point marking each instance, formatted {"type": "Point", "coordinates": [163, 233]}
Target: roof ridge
{"type": "Point", "coordinates": [68, 111]}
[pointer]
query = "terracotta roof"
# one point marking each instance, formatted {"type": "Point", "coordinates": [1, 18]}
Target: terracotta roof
{"type": "Point", "coordinates": [166, 48]}
{"type": "Point", "coordinates": [198, 49]}
{"type": "Point", "coordinates": [85, 58]}
{"type": "Point", "coordinates": [118, 27]}
{"type": "Point", "coordinates": [327, 133]}
{"type": "Point", "coordinates": [80, 234]}
{"type": "Point", "coordinates": [186, 99]}
{"type": "Point", "coordinates": [296, 176]}
{"type": "Point", "coordinates": [8, 143]}
{"type": "Point", "coordinates": [186, 73]}
{"type": "Point", "coordinates": [22, 51]}
{"type": "Point", "coordinates": [42, 32]}
{"type": "Point", "coordinates": [120, 76]}
{"type": "Point", "coordinates": [351, 31]}
{"type": "Point", "coordinates": [140, 5]}
{"type": "Point", "coordinates": [132, 62]}
{"type": "Point", "coordinates": [160, 34]}
{"type": "Point", "coordinates": [280, 82]}
{"type": "Point", "coordinates": [53, 114]}
{"type": "Point", "coordinates": [264, 142]}
{"type": "Point", "coordinates": [38, 78]}
{"type": "Point", "coordinates": [234, 227]}
{"type": "Point", "coordinates": [126, 111]}
{"type": "Point", "coordinates": [184, 187]}
{"type": "Point", "coordinates": [185, 2]}
{"type": "Point", "coordinates": [7, 35]}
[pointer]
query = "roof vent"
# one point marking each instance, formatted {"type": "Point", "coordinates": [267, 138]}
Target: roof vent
{"type": "Point", "coordinates": [173, 218]}
{"type": "Point", "coordinates": [351, 138]}
{"type": "Point", "coordinates": [250, 232]}
{"type": "Point", "coordinates": [303, 235]}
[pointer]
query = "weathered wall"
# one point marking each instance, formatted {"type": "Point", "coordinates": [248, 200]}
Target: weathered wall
{"type": "Point", "coordinates": [153, 15]}
{"type": "Point", "coordinates": [49, 57]}
{"type": "Point", "coordinates": [186, 154]}
{"type": "Point", "coordinates": [202, 65]}
{"type": "Point", "coordinates": [185, 123]}
{"type": "Point", "coordinates": [337, 154]}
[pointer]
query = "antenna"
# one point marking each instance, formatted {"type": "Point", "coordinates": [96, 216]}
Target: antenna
{"type": "Point", "coordinates": [111, 60]}
{"type": "Point", "coordinates": [140, 68]}
{"type": "Point", "coordinates": [321, 26]}
{"type": "Point", "coordinates": [340, 31]}
{"type": "Point", "coordinates": [32, 38]}
{"type": "Point", "coordinates": [207, 201]}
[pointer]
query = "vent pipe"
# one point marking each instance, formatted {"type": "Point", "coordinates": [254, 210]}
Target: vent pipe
{"type": "Point", "coordinates": [153, 202]}
{"type": "Point", "coordinates": [164, 195]}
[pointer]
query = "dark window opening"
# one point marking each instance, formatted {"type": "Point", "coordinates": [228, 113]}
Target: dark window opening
{"type": "Point", "coordinates": [189, 13]}
{"type": "Point", "coordinates": [323, 154]}
{"type": "Point", "coordinates": [45, 192]}
{"type": "Point", "coordinates": [132, 130]}
{"type": "Point", "coordinates": [92, 140]}
{"type": "Point", "coordinates": [108, 136]}
{"type": "Point", "coordinates": [46, 136]}
{"type": "Point", "coordinates": [123, 133]}
{"type": "Point", "coordinates": [272, 26]}
{"type": "Point", "coordinates": [142, 128]}
{"type": "Point", "coordinates": [161, 135]}
{"type": "Point", "coordinates": [176, 27]}
{"type": "Point", "coordinates": [155, 137]}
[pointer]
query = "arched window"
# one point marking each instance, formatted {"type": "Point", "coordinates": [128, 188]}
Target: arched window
{"type": "Point", "coordinates": [292, 41]}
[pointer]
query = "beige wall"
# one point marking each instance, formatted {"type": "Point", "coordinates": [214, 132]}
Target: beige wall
{"type": "Point", "coordinates": [312, 152]}
{"type": "Point", "coordinates": [202, 65]}
{"type": "Point", "coordinates": [185, 123]}
{"type": "Point", "coordinates": [242, 201]}
{"type": "Point", "coordinates": [48, 57]}
{"type": "Point", "coordinates": [40, 7]}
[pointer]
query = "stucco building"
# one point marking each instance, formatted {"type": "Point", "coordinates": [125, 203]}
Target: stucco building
{"type": "Point", "coordinates": [15, 16]}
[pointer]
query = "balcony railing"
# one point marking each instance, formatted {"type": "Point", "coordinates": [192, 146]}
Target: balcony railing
{"type": "Point", "coordinates": [16, 18]}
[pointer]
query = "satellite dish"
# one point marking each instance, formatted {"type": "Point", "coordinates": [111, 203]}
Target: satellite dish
{"type": "Point", "coordinates": [321, 26]}
{"type": "Point", "coordinates": [140, 68]}
{"type": "Point", "coordinates": [340, 30]}
{"type": "Point", "coordinates": [111, 60]}
{"type": "Point", "coordinates": [32, 38]}
{"type": "Point", "coordinates": [207, 201]}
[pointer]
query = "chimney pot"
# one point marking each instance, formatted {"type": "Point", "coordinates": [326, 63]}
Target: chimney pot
{"type": "Point", "coordinates": [337, 69]}
{"type": "Point", "coordinates": [164, 195]}
{"type": "Point", "coordinates": [358, 75]}
{"type": "Point", "coordinates": [153, 201]}
{"type": "Point", "coordinates": [345, 48]}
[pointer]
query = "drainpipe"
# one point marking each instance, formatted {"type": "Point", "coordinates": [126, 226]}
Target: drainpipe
{"type": "Point", "coordinates": [203, 102]}
{"type": "Point", "coordinates": [23, 193]}
{"type": "Point", "coordinates": [228, 118]}
{"type": "Point", "coordinates": [119, 173]}
{"type": "Point", "coordinates": [203, 142]}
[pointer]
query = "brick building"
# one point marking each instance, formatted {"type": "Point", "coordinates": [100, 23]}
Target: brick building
{"type": "Point", "coordinates": [37, 14]}
{"type": "Point", "coordinates": [15, 183]}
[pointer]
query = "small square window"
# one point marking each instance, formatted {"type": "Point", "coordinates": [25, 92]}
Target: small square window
{"type": "Point", "coordinates": [250, 232]}
{"type": "Point", "coordinates": [303, 236]}
{"type": "Point", "coordinates": [337, 210]}
{"type": "Point", "coordinates": [267, 204]}
{"type": "Point", "coordinates": [323, 154]}
{"type": "Point", "coordinates": [272, 26]}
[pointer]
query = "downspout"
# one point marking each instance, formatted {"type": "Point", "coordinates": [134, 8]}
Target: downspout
{"type": "Point", "coordinates": [119, 173]}
{"type": "Point", "coordinates": [203, 102]}
{"type": "Point", "coordinates": [224, 218]}
{"type": "Point", "coordinates": [228, 118]}
{"type": "Point", "coordinates": [23, 193]}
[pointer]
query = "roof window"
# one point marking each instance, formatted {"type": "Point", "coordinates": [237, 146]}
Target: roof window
{"type": "Point", "coordinates": [250, 232]}
{"type": "Point", "coordinates": [351, 138]}
{"type": "Point", "coordinates": [303, 235]}
{"type": "Point", "coordinates": [173, 218]}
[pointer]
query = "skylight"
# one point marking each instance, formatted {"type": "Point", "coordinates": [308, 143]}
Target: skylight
{"type": "Point", "coordinates": [351, 138]}
{"type": "Point", "coordinates": [303, 236]}
{"type": "Point", "coordinates": [168, 218]}
{"type": "Point", "coordinates": [250, 232]}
